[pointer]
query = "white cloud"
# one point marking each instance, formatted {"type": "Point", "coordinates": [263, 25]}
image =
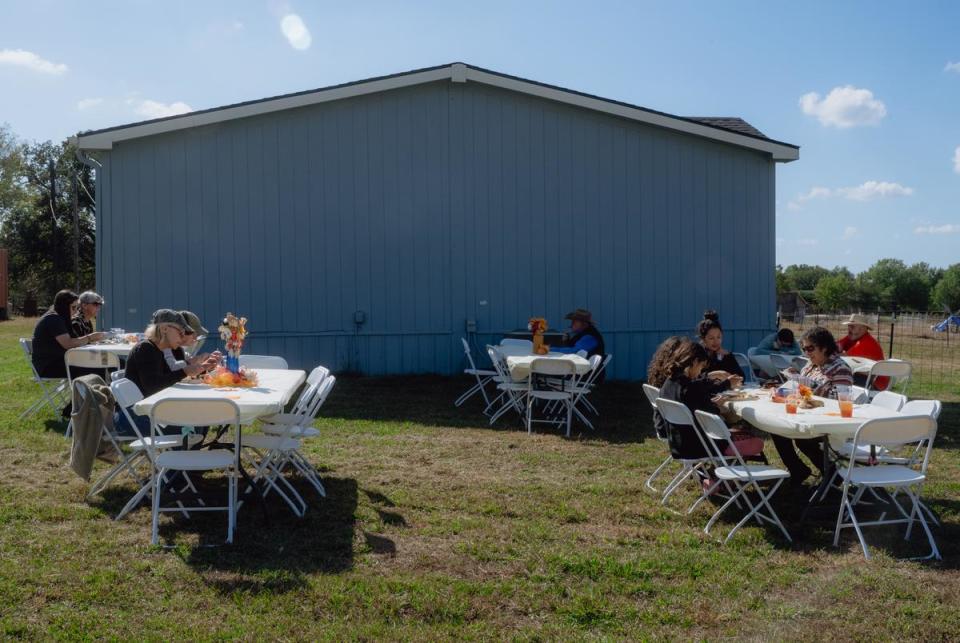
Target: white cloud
{"type": "Point", "coordinates": [850, 232]}
{"type": "Point", "coordinates": [31, 61]}
{"type": "Point", "coordinates": [807, 242]}
{"type": "Point", "coordinates": [150, 109]}
{"type": "Point", "coordinates": [867, 191]}
{"type": "Point", "coordinates": [88, 103]}
{"type": "Point", "coordinates": [956, 160]}
{"type": "Point", "coordinates": [955, 67]}
{"type": "Point", "coordinates": [949, 228]}
{"type": "Point", "coordinates": [874, 190]}
{"type": "Point", "coordinates": [295, 31]}
{"type": "Point", "coordinates": [844, 107]}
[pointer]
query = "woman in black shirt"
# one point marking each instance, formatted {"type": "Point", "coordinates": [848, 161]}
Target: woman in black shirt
{"type": "Point", "coordinates": [146, 365]}
{"type": "Point", "coordinates": [52, 337]}
{"type": "Point", "coordinates": [711, 336]}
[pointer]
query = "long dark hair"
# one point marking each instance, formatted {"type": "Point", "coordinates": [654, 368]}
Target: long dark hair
{"type": "Point", "coordinates": [822, 338]}
{"type": "Point", "coordinates": [686, 353]}
{"type": "Point", "coordinates": [62, 302]}
{"type": "Point", "coordinates": [659, 369]}
{"type": "Point", "coordinates": [710, 321]}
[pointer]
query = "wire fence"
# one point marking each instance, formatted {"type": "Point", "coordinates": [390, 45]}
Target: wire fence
{"type": "Point", "coordinates": [912, 337]}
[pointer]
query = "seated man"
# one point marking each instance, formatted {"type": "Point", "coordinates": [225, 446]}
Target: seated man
{"type": "Point", "coordinates": [781, 342]}
{"type": "Point", "coordinates": [582, 336]}
{"type": "Point", "coordinates": [860, 343]}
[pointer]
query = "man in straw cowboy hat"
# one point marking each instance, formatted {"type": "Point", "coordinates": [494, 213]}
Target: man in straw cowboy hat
{"type": "Point", "coordinates": [582, 336]}
{"type": "Point", "coordinates": [860, 343]}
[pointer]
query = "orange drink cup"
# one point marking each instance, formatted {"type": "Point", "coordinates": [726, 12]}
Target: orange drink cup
{"type": "Point", "coordinates": [792, 404]}
{"type": "Point", "coordinates": [846, 409]}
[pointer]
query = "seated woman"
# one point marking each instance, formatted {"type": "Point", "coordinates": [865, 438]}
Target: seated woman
{"type": "Point", "coordinates": [687, 384]}
{"type": "Point", "coordinates": [825, 372]}
{"type": "Point", "coordinates": [657, 374]}
{"type": "Point", "coordinates": [52, 337]}
{"type": "Point", "coordinates": [89, 307]}
{"type": "Point", "coordinates": [711, 336]}
{"type": "Point", "coordinates": [146, 365]}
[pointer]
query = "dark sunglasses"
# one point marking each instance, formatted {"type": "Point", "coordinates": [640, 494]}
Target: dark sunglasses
{"type": "Point", "coordinates": [809, 348]}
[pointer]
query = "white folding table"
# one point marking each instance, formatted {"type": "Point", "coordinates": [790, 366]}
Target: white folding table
{"type": "Point", "coordinates": [519, 360]}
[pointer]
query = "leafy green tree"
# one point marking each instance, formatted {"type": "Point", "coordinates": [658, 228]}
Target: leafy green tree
{"type": "Point", "coordinates": [783, 284]}
{"type": "Point", "coordinates": [946, 292]}
{"type": "Point", "coordinates": [898, 286]}
{"type": "Point", "coordinates": [805, 277]}
{"type": "Point", "coordinates": [37, 218]}
{"type": "Point", "coordinates": [836, 292]}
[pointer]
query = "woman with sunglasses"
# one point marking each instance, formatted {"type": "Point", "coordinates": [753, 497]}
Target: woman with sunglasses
{"type": "Point", "coordinates": [146, 365]}
{"type": "Point", "coordinates": [825, 372]}
{"type": "Point", "coordinates": [82, 322]}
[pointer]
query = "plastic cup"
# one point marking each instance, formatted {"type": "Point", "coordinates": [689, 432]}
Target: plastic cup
{"type": "Point", "coordinates": [845, 401]}
{"type": "Point", "coordinates": [791, 404]}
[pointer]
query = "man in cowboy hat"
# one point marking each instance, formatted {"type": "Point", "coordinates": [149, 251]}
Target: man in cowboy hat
{"type": "Point", "coordinates": [860, 343]}
{"type": "Point", "coordinates": [582, 336]}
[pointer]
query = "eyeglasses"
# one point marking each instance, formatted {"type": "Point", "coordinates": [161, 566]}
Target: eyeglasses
{"type": "Point", "coordinates": [809, 348]}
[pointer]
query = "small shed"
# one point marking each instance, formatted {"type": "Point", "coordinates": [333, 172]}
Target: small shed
{"type": "Point", "coordinates": [791, 305]}
{"type": "Point", "coordinates": [369, 226]}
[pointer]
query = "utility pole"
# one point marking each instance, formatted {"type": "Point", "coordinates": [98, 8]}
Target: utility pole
{"type": "Point", "coordinates": [76, 227]}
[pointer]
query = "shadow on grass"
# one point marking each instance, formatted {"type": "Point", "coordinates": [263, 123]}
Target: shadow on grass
{"type": "Point", "coordinates": [428, 400]}
{"type": "Point", "coordinates": [276, 552]}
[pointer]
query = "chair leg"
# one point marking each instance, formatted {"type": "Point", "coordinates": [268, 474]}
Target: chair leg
{"type": "Point", "coordinates": [155, 518]}
{"type": "Point", "coordinates": [657, 472]}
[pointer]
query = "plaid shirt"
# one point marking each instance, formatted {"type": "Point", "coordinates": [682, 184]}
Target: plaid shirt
{"type": "Point", "coordinates": [824, 378]}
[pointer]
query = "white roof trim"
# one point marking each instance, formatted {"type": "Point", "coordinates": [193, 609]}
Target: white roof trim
{"type": "Point", "coordinates": [457, 72]}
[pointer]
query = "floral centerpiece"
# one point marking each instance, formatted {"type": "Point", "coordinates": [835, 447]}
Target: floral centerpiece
{"type": "Point", "coordinates": [233, 331]}
{"type": "Point", "coordinates": [537, 325]}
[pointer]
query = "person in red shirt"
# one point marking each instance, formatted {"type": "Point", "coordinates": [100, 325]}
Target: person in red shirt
{"type": "Point", "coordinates": [860, 343]}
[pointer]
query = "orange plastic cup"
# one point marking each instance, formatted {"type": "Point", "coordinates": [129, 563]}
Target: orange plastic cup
{"type": "Point", "coordinates": [791, 405]}
{"type": "Point", "coordinates": [846, 408]}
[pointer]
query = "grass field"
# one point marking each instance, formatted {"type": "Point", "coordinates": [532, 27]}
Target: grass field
{"type": "Point", "coordinates": [439, 527]}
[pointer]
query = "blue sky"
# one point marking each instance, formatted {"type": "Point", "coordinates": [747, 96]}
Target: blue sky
{"type": "Point", "coordinates": [869, 90]}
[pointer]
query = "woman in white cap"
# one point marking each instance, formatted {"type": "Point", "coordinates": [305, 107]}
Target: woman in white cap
{"type": "Point", "coordinates": [82, 322]}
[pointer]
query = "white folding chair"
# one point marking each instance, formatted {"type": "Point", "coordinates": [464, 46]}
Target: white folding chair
{"type": "Point", "coordinates": [126, 459]}
{"type": "Point", "coordinates": [118, 375]}
{"type": "Point", "coordinates": [196, 412]}
{"type": "Point", "coordinates": [482, 377]}
{"type": "Point", "coordinates": [583, 386]}
{"type": "Point", "coordinates": [263, 361]}
{"type": "Point", "coordinates": [513, 394]}
{"type": "Point", "coordinates": [896, 370]}
{"type": "Point", "coordinates": [90, 359]}
{"type": "Point", "coordinates": [859, 395]}
{"type": "Point", "coordinates": [518, 343]}
{"type": "Point", "coordinates": [889, 400]}
{"type": "Point", "coordinates": [142, 446]}
{"type": "Point", "coordinates": [744, 478]}
{"type": "Point", "coordinates": [678, 414]}
{"type": "Point", "coordinates": [890, 433]}
{"type": "Point", "coordinates": [744, 363]}
{"type": "Point", "coordinates": [304, 409]}
{"type": "Point", "coordinates": [53, 390]}
{"type": "Point", "coordinates": [279, 447]}
{"type": "Point", "coordinates": [652, 393]}
{"type": "Point", "coordinates": [552, 368]}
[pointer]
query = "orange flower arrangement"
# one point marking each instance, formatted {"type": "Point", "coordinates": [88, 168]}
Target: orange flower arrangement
{"type": "Point", "coordinates": [805, 392]}
{"type": "Point", "coordinates": [223, 376]}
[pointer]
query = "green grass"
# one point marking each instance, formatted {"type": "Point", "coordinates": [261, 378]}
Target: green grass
{"type": "Point", "coordinates": [439, 527]}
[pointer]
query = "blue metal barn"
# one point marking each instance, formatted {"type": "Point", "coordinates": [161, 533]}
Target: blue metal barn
{"type": "Point", "coordinates": [370, 226]}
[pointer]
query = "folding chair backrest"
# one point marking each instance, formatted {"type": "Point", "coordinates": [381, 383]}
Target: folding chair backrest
{"type": "Point", "coordinates": [522, 343]}
{"type": "Point", "coordinates": [675, 412]}
{"type": "Point", "coordinates": [889, 400]}
{"type": "Point", "coordinates": [780, 362]}
{"type": "Point", "coordinates": [496, 358]}
{"type": "Point", "coordinates": [652, 393]}
{"type": "Point", "coordinates": [859, 394]}
{"type": "Point", "coordinates": [91, 359]}
{"type": "Point", "coordinates": [320, 396]}
{"type": "Point", "coordinates": [713, 426]}
{"type": "Point", "coordinates": [196, 412]}
{"type": "Point", "coordinates": [893, 432]}
{"type": "Point", "coordinates": [26, 344]}
{"type": "Point", "coordinates": [126, 395]}
{"type": "Point", "coordinates": [923, 407]}
{"type": "Point", "coordinates": [263, 361]}
{"type": "Point", "coordinates": [466, 351]}
{"type": "Point", "coordinates": [744, 363]}
{"type": "Point", "coordinates": [555, 367]}
{"type": "Point", "coordinates": [118, 375]}
{"type": "Point", "coordinates": [898, 370]}
{"type": "Point", "coordinates": [317, 375]}
{"type": "Point", "coordinates": [799, 362]}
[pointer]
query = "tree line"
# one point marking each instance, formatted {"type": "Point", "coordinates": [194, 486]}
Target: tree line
{"type": "Point", "coordinates": [887, 285]}
{"type": "Point", "coordinates": [36, 219]}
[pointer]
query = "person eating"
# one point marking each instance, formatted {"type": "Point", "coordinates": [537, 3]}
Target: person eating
{"type": "Point", "coordinates": [52, 337]}
{"type": "Point", "coordinates": [90, 304]}
{"type": "Point", "coordinates": [711, 337]}
{"type": "Point", "coordinates": [825, 371]}
{"type": "Point", "coordinates": [582, 336]}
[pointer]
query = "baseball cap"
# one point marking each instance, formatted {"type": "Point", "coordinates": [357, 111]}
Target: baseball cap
{"type": "Point", "coordinates": [194, 322]}
{"type": "Point", "coordinates": [167, 316]}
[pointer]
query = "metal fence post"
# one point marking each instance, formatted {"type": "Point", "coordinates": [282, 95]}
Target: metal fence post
{"type": "Point", "coordinates": [890, 352]}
